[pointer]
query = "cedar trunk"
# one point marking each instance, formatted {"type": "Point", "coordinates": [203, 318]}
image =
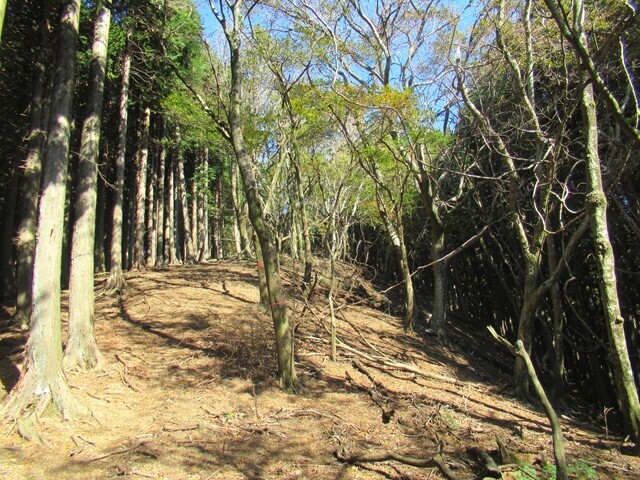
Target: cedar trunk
{"type": "Point", "coordinates": [82, 350]}
{"type": "Point", "coordinates": [43, 382]}
{"type": "Point", "coordinates": [284, 335]}
{"type": "Point", "coordinates": [115, 282]}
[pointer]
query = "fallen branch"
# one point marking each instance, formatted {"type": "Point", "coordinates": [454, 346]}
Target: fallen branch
{"type": "Point", "coordinates": [435, 461]}
{"type": "Point", "coordinates": [124, 375]}
{"type": "Point", "coordinates": [556, 429]}
{"type": "Point", "coordinates": [117, 452]}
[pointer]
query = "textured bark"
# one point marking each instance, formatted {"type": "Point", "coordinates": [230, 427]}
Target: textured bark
{"type": "Point", "coordinates": [160, 196]}
{"type": "Point", "coordinates": [115, 282]}
{"type": "Point", "coordinates": [99, 259]}
{"type": "Point", "coordinates": [169, 220]}
{"type": "Point", "coordinates": [43, 381]}
{"type": "Point", "coordinates": [25, 241]}
{"type": "Point", "coordinates": [217, 222]}
{"type": "Point", "coordinates": [142, 158]}
{"type": "Point", "coordinates": [626, 392]}
{"type": "Point", "coordinates": [440, 269]}
{"type": "Point", "coordinates": [184, 208]}
{"type": "Point", "coordinates": [152, 209]}
{"type": "Point", "coordinates": [284, 335]}
{"type": "Point", "coordinates": [202, 211]}
{"type": "Point", "coordinates": [82, 350]}
{"type": "Point", "coordinates": [308, 256]}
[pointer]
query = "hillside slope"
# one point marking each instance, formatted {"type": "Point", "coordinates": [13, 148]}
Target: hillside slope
{"type": "Point", "coordinates": [188, 392]}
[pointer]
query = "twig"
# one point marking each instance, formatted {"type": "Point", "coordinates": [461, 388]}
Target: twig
{"type": "Point", "coordinates": [124, 375]}
{"type": "Point", "coordinates": [117, 452]}
{"type": "Point", "coordinates": [177, 428]}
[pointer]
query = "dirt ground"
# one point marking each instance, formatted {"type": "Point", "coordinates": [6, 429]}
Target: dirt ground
{"type": "Point", "coordinates": [188, 391]}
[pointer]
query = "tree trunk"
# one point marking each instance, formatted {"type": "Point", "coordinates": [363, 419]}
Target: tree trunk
{"type": "Point", "coordinates": [115, 282]}
{"type": "Point", "coordinates": [25, 244]}
{"type": "Point", "coordinates": [440, 271]}
{"type": "Point", "coordinates": [184, 209]}
{"type": "Point", "coordinates": [99, 249]}
{"type": "Point", "coordinates": [82, 350]}
{"type": "Point", "coordinates": [142, 158]}
{"type": "Point", "coordinates": [308, 256]}
{"type": "Point", "coordinates": [558, 321]}
{"type": "Point", "coordinates": [169, 220]}
{"type": "Point", "coordinates": [43, 382]}
{"type": "Point", "coordinates": [596, 205]}
{"type": "Point", "coordinates": [262, 278]}
{"type": "Point", "coordinates": [152, 209]}
{"type": "Point", "coordinates": [201, 208]}
{"type": "Point", "coordinates": [284, 335]}
{"type": "Point", "coordinates": [160, 196]}
{"type": "Point", "coordinates": [217, 233]}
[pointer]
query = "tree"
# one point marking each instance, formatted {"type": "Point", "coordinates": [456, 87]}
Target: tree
{"type": "Point", "coordinates": [115, 282]}
{"type": "Point", "coordinates": [42, 381]}
{"type": "Point", "coordinates": [232, 21]}
{"type": "Point", "coordinates": [596, 205]}
{"type": "Point", "coordinates": [82, 350]}
{"type": "Point", "coordinates": [25, 238]}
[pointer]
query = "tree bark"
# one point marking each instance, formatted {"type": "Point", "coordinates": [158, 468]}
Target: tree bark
{"type": "Point", "coordinates": [201, 208]}
{"type": "Point", "coordinates": [284, 335]}
{"type": "Point", "coordinates": [115, 282]}
{"type": "Point", "coordinates": [596, 204]}
{"type": "Point", "coordinates": [25, 241]}
{"type": "Point", "coordinates": [152, 212]}
{"type": "Point", "coordinates": [160, 195]}
{"type": "Point", "coordinates": [142, 158]}
{"type": "Point", "coordinates": [42, 381]}
{"type": "Point", "coordinates": [82, 350]}
{"type": "Point", "coordinates": [184, 208]}
{"type": "Point", "coordinates": [169, 220]}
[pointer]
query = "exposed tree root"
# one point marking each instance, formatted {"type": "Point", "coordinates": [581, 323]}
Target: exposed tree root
{"type": "Point", "coordinates": [32, 397]}
{"type": "Point", "coordinates": [383, 456]}
{"type": "Point", "coordinates": [82, 355]}
{"type": "Point", "coordinates": [114, 285]}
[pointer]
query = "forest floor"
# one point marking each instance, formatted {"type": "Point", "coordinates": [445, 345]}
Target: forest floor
{"type": "Point", "coordinates": [188, 391]}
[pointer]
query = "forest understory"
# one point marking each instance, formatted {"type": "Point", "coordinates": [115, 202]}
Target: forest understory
{"type": "Point", "coordinates": [188, 391]}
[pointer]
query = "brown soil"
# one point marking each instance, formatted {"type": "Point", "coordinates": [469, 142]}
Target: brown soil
{"type": "Point", "coordinates": [188, 392]}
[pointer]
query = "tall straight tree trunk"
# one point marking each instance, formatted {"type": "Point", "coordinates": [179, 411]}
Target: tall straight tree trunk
{"type": "Point", "coordinates": [99, 258]}
{"type": "Point", "coordinates": [283, 333]}
{"type": "Point", "coordinates": [141, 201]}
{"type": "Point", "coordinates": [217, 232]}
{"type": "Point", "coordinates": [202, 232]}
{"type": "Point", "coordinates": [596, 204]}
{"type": "Point", "coordinates": [25, 244]}
{"type": "Point", "coordinates": [160, 195]}
{"type": "Point", "coordinates": [193, 211]}
{"type": "Point", "coordinates": [182, 197]}
{"type": "Point", "coordinates": [42, 381]}
{"type": "Point", "coordinates": [440, 269]}
{"type": "Point", "coordinates": [82, 350]}
{"type": "Point", "coordinates": [169, 220]}
{"type": "Point", "coordinates": [308, 256]}
{"type": "Point", "coordinates": [152, 215]}
{"type": "Point", "coordinates": [115, 282]}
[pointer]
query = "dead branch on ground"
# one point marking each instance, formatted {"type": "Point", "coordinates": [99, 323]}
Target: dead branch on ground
{"type": "Point", "coordinates": [435, 461]}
